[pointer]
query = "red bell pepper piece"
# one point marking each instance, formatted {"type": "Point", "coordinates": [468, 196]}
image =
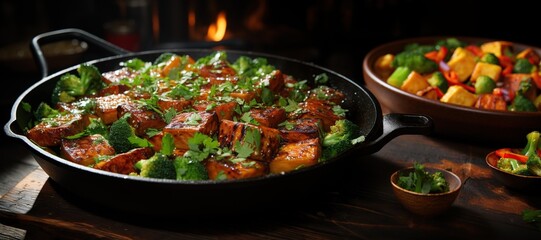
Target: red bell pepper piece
{"type": "Point", "coordinates": [508, 153]}
{"type": "Point", "coordinates": [452, 79]}
{"type": "Point", "coordinates": [507, 64]}
{"type": "Point", "coordinates": [432, 55]}
{"type": "Point", "coordinates": [437, 56]}
{"type": "Point", "coordinates": [475, 50]}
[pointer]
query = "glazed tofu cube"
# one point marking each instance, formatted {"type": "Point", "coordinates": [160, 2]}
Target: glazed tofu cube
{"type": "Point", "coordinates": [49, 133]}
{"type": "Point", "coordinates": [383, 65]}
{"type": "Point", "coordinates": [301, 129]}
{"type": "Point", "coordinates": [268, 117]}
{"type": "Point", "coordinates": [327, 93]}
{"type": "Point", "coordinates": [296, 155]}
{"type": "Point", "coordinates": [429, 92]}
{"type": "Point", "coordinates": [459, 96]}
{"type": "Point", "coordinates": [495, 47]}
{"type": "Point", "coordinates": [106, 107]}
{"type": "Point", "coordinates": [85, 150]}
{"type": "Point", "coordinates": [117, 75]}
{"type": "Point", "coordinates": [491, 101]}
{"type": "Point", "coordinates": [491, 70]}
{"type": "Point", "coordinates": [218, 169]}
{"type": "Point", "coordinates": [462, 62]}
{"type": "Point", "coordinates": [124, 163]}
{"type": "Point", "coordinates": [223, 110]}
{"type": "Point", "coordinates": [319, 109]}
{"type": "Point", "coordinates": [178, 104]}
{"type": "Point", "coordinates": [184, 126]}
{"type": "Point", "coordinates": [414, 83]}
{"type": "Point", "coordinates": [114, 89]}
{"type": "Point", "coordinates": [141, 119]}
{"type": "Point", "coordinates": [274, 81]}
{"type": "Point", "coordinates": [263, 141]}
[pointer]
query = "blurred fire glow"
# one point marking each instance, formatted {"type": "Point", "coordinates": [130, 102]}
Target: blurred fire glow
{"type": "Point", "coordinates": [216, 31]}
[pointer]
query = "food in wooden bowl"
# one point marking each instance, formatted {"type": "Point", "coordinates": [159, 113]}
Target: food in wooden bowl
{"type": "Point", "coordinates": [426, 191]}
{"type": "Point", "coordinates": [518, 168]}
{"type": "Point", "coordinates": [474, 89]}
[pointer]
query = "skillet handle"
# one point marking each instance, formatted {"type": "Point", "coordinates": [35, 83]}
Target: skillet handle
{"type": "Point", "coordinates": [52, 36]}
{"type": "Point", "coordinates": [396, 124]}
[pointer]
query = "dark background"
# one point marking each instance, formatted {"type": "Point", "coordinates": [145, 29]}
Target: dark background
{"type": "Point", "coordinates": [333, 34]}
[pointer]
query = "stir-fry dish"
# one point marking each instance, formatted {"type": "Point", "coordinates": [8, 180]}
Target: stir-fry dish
{"type": "Point", "coordinates": [490, 75]}
{"type": "Point", "coordinates": [526, 161]}
{"type": "Point", "coordinates": [193, 119]}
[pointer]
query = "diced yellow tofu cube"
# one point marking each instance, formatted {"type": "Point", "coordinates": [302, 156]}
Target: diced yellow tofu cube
{"type": "Point", "coordinates": [383, 65]}
{"type": "Point", "coordinates": [414, 83]}
{"type": "Point", "coordinates": [496, 47]}
{"type": "Point", "coordinates": [462, 62]}
{"type": "Point", "coordinates": [491, 70]}
{"type": "Point", "coordinates": [460, 96]}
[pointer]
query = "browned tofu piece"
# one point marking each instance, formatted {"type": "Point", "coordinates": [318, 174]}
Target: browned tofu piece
{"type": "Point", "coordinates": [244, 169]}
{"type": "Point", "coordinates": [117, 75]}
{"type": "Point", "coordinates": [274, 81]}
{"type": "Point", "coordinates": [124, 163]}
{"type": "Point", "coordinates": [185, 125]}
{"type": "Point", "coordinates": [177, 104]}
{"type": "Point", "coordinates": [296, 155]}
{"type": "Point", "coordinates": [218, 73]}
{"type": "Point", "coordinates": [224, 110]}
{"type": "Point", "coordinates": [301, 129]}
{"type": "Point", "coordinates": [491, 101]}
{"type": "Point", "coordinates": [141, 118]}
{"type": "Point", "coordinates": [327, 93]}
{"type": "Point", "coordinates": [81, 106]}
{"type": "Point", "coordinates": [320, 109]}
{"type": "Point", "coordinates": [85, 150]}
{"type": "Point", "coordinates": [264, 141]}
{"type": "Point", "coordinates": [289, 83]}
{"type": "Point", "coordinates": [113, 89]}
{"type": "Point", "coordinates": [106, 107]}
{"type": "Point", "coordinates": [49, 133]}
{"type": "Point", "coordinates": [268, 117]}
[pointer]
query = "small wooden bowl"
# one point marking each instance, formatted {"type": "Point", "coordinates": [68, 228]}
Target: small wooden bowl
{"type": "Point", "coordinates": [427, 204]}
{"type": "Point", "coordinates": [529, 184]}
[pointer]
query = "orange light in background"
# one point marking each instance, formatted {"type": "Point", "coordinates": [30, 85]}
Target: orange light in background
{"type": "Point", "coordinates": [216, 31]}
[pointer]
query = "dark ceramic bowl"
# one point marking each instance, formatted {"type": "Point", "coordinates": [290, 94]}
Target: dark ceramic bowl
{"type": "Point", "coordinates": [514, 181]}
{"type": "Point", "coordinates": [427, 205]}
{"type": "Point", "coordinates": [452, 121]}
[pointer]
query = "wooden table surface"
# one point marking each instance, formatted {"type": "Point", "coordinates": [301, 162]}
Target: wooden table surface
{"type": "Point", "coordinates": [361, 207]}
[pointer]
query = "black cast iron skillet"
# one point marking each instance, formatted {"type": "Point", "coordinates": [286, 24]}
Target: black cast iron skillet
{"type": "Point", "coordinates": [168, 197]}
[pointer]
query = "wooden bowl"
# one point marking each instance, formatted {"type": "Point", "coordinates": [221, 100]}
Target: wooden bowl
{"type": "Point", "coordinates": [450, 121]}
{"type": "Point", "coordinates": [427, 205]}
{"type": "Point", "coordinates": [517, 182]}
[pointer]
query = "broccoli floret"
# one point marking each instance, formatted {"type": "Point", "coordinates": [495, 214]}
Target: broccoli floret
{"type": "Point", "coordinates": [490, 58]}
{"type": "Point", "coordinates": [512, 166]}
{"type": "Point", "coordinates": [122, 136]}
{"type": "Point", "coordinates": [533, 145]}
{"type": "Point", "coordinates": [342, 136]}
{"type": "Point", "coordinates": [438, 80]}
{"type": "Point", "coordinates": [415, 61]}
{"type": "Point", "coordinates": [188, 169]}
{"type": "Point", "coordinates": [522, 104]}
{"type": "Point", "coordinates": [158, 166]}
{"type": "Point", "coordinates": [451, 43]}
{"type": "Point", "coordinates": [70, 87]}
{"type": "Point", "coordinates": [422, 181]}
{"type": "Point", "coordinates": [523, 65]}
{"type": "Point", "coordinates": [44, 110]}
{"type": "Point", "coordinates": [438, 184]}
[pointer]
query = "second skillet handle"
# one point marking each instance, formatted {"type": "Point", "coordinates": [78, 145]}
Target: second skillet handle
{"type": "Point", "coordinates": [396, 124]}
{"type": "Point", "coordinates": [52, 36]}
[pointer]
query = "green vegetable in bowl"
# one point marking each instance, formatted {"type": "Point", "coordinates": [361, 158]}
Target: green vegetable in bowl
{"type": "Point", "coordinates": [421, 181]}
{"type": "Point", "coordinates": [484, 84]}
{"type": "Point", "coordinates": [490, 58]}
